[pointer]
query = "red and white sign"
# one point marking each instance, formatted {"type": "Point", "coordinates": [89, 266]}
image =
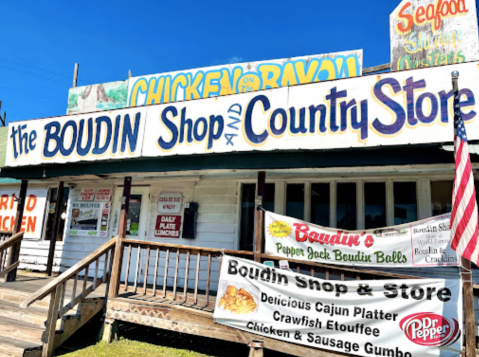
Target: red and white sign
{"type": "Point", "coordinates": [170, 202]}
{"type": "Point", "coordinates": [103, 194]}
{"type": "Point", "coordinates": [168, 226]}
{"type": "Point", "coordinates": [34, 212]}
{"type": "Point", "coordinates": [87, 194]}
{"type": "Point", "coordinates": [428, 329]}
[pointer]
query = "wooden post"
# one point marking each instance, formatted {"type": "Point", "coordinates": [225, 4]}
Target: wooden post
{"type": "Point", "coordinates": [52, 318]}
{"type": "Point", "coordinates": [14, 254]}
{"type": "Point", "coordinates": [258, 239]}
{"type": "Point", "coordinates": [256, 348]}
{"type": "Point", "coordinates": [118, 255]}
{"type": "Point", "coordinates": [75, 75]}
{"type": "Point", "coordinates": [56, 224]}
{"type": "Point", "coordinates": [129, 73]}
{"type": "Point", "coordinates": [468, 308]}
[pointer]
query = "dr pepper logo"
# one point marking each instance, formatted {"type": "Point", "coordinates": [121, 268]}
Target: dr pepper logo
{"type": "Point", "coordinates": [428, 329]}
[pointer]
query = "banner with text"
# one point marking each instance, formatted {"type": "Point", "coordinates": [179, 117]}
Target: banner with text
{"type": "Point", "coordinates": [33, 215]}
{"type": "Point", "coordinates": [407, 318]}
{"type": "Point", "coordinates": [418, 244]}
{"type": "Point", "coordinates": [242, 77]}
{"type": "Point", "coordinates": [401, 108]}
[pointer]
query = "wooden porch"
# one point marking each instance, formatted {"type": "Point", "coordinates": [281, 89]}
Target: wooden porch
{"type": "Point", "coordinates": [161, 285]}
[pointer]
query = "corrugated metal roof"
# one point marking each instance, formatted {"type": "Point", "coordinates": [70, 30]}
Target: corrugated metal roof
{"type": "Point", "coordinates": [3, 145]}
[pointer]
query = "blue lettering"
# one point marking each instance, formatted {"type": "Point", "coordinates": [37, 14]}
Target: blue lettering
{"type": "Point", "coordinates": [83, 151]}
{"type": "Point", "coordinates": [212, 133]}
{"type": "Point", "coordinates": [97, 150]}
{"type": "Point", "coordinates": [168, 145]}
{"type": "Point", "coordinates": [284, 122]}
{"type": "Point", "coordinates": [434, 108]}
{"type": "Point", "coordinates": [248, 127]}
{"type": "Point", "coordinates": [394, 128]}
{"type": "Point", "coordinates": [130, 135]}
{"type": "Point", "coordinates": [51, 134]}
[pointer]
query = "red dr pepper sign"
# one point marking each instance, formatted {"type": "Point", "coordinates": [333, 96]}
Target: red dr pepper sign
{"type": "Point", "coordinates": [168, 226]}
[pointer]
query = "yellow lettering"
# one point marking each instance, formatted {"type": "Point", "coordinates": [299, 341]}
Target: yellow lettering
{"type": "Point", "coordinates": [140, 85]}
{"type": "Point", "coordinates": [179, 79]}
{"type": "Point", "coordinates": [328, 66]}
{"type": "Point", "coordinates": [308, 77]}
{"type": "Point", "coordinates": [225, 81]}
{"type": "Point", "coordinates": [155, 90]}
{"type": "Point", "coordinates": [289, 76]}
{"type": "Point", "coordinates": [191, 91]}
{"type": "Point", "coordinates": [269, 75]}
{"type": "Point", "coordinates": [166, 98]}
{"type": "Point", "coordinates": [209, 87]}
{"type": "Point", "coordinates": [352, 68]}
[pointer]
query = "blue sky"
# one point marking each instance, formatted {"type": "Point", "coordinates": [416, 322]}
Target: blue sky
{"type": "Point", "coordinates": [42, 40]}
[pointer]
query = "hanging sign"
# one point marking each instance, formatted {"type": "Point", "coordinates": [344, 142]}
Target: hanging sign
{"type": "Point", "coordinates": [423, 243]}
{"type": "Point", "coordinates": [407, 318]}
{"type": "Point", "coordinates": [426, 33]}
{"type": "Point", "coordinates": [103, 194]}
{"type": "Point", "coordinates": [168, 226]}
{"type": "Point", "coordinates": [401, 108]}
{"type": "Point", "coordinates": [242, 77]}
{"type": "Point", "coordinates": [34, 211]}
{"type": "Point", "coordinates": [170, 202]}
{"type": "Point", "coordinates": [89, 219]}
{"type": "Point", "coordinates": [87, 194]}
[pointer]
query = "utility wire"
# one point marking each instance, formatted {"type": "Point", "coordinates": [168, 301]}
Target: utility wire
{"type": "Point", "coordinates": [31, 74]}
{"type": "Point", "coordinates": [31, 93]}
{"type": "Point", "coordinates": [40, 69]}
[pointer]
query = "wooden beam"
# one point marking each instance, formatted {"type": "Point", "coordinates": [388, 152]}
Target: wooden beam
{"type": "Point", "coordinates": [14, 254]}
{"type": "Point", "coordinates": [381, 67]}
{"type": "Point", "coordinates": [118, 255]}
{"type": "Point", "coordinates": [75, 75]}
{"type": "Point", "coordinates": [468, 308]}
{"type": "Point", "coordinates": [56, 224]}
{"type": "Point", "coordinates": [258, 237]}
{"type": "Point", "coordinates": [48, 346]}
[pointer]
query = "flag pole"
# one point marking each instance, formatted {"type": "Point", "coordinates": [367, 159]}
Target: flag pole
{"type": "Point", "coordinates": [466, 272]}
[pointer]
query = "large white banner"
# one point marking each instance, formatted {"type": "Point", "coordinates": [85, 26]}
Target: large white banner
{"type": "Point", "coordinates": [33, 215]}
{"type": "Point", "coordinates": [408, 107]}
{"type": "Point", "coordinates": [423, 243]}
{"type": "Point", "coordinates": [406, 318]}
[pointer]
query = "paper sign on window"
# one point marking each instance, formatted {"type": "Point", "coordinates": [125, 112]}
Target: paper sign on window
{"type": "Point", "coordinates": [170, 202]}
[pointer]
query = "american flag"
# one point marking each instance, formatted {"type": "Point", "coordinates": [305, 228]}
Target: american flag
{"type": "Point", "coordinates": [464, 218]}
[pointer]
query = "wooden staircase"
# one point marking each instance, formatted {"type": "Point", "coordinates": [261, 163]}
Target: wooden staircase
{"type": "Point", "coordinates": [22, 330]}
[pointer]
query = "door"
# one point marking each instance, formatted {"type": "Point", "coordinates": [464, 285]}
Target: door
{"type": "Point", "coordinates": [135, 228]}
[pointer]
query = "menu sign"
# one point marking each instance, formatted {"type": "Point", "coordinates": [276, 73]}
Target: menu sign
{"type": "Point", "coordinates": [168, 226]}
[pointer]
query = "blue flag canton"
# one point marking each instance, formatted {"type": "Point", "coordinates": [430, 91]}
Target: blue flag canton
{"type": "Point", "coordinates": [459, 127]}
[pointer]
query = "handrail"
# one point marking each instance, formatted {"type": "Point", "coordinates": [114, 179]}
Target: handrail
{"type": "Point", "coordinates": [7, 243]}
{"type": "Point", "coordinates": [187, 247]}
{"type": "Point", "coordinates": [75, 269]}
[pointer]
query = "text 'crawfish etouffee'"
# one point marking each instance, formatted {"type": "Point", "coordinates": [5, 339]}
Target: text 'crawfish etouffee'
{"type": "Point", "coordinates": [237, 301]}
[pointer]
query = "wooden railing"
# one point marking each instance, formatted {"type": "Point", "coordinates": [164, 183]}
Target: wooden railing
{"type": "Point", "coordinates": [97, 266]}
{"type": "Point", "coordinates": [179, 272]}
{"type": "Point", "coordinates": [9, 254]}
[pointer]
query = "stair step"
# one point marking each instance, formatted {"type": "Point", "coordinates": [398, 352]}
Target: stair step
{"type": "Point", "coordinates": [17, 296]}
{"type": "Point", "coordinates": [10, 347]}
{"type": "Point", "coordinates": [20, 330]}
{"type": "Point", "coordinates": [34, 315]}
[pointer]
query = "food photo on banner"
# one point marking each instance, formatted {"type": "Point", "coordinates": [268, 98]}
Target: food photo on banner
{"type": "Point", "coordinates": [406, 318]}
{"type": "Point", "coordinates": [424, 243]}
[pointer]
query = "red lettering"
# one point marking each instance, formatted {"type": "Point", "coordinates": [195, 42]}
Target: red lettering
{"type": "Point", "coordinates": [407, 18]}
{"type": "Point", "coordinates": [31, 224]}
{"type": "Point", "coordinates": [313, 236]}
{"type": "Point", "coordinates": [3, 202]}
{"type": "Point", "coordinates": [4, 224]}
{"type": "Point", "coordinates": [301, 231]}
{"type": "Point", "coordinates": [31, 203]}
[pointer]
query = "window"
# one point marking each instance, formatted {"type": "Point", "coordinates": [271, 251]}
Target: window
{"type": "Point", "coordinates": [320, 202]}
{"type": "Point", "coordinates": [441, 197]}
{"type": "Point", "coordinates": [295, 200]}
{"type": "Point", "coordinates": [52, 199]}
{"type": "Point", "coordinates": [133, 224]}
{"type": "Point", "coordinates": [346, 206]}
{"type": "Point", "coordinates": [405, 202]}
{"type": "Point", "coordinates": [374, 204]}
{"type": "Point", "coordinates": [248, 195]}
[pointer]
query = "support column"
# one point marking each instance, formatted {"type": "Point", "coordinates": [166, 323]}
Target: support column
{"type": "Point", "coordinates": [118, 255]}
{"type": "Point", "coordinates": [468, 308]}
{"type": "Point", "coordinates": [258, 239]}
{"type": "Point", "coordinates": [14, 255]}
{"type": "Point", "coordinates": [110, 326]}
{"type": "Point", "coordinates": [56, 224]}
{"type": "Point", "coordinates": [256, 348]}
